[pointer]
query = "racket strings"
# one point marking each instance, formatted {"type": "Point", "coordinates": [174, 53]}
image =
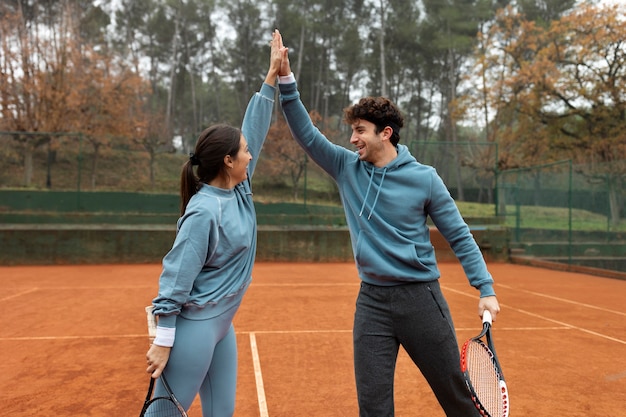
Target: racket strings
{"type": "Point", "coordinates": [162, 407]}
{"type": "Point", "coordinates": [484, 377]}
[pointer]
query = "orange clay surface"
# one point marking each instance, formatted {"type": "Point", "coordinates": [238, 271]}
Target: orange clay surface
{"type": "Point", "coordinates": [73, 341]}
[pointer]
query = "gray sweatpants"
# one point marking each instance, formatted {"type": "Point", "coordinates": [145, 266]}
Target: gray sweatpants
{"type": "Point", "coordinates": [203, 361]}
{"type": "Point", "coordinates": [417, 317]}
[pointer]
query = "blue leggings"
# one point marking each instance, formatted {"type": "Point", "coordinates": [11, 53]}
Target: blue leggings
{"type": "Point", "coordinates": [203, 361]}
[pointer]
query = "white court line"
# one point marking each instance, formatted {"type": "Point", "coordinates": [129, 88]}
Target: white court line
{"type": "Point", "coordinates": [258, 376]}
{"type": "Point", "coordinates": [91, 287]}
{"type": "Point", "coordinates": [19, 294]}
{"type": "Point", "coordinates": [330, 284]}
{"type": "Point", "coordinates": [564, 300]}
{"type": "Point", "coordinates": [616, 377]}
{"type": "Point", "coordinates": [461, 329]}
{"type": "Point", "coordinates": [133, 336]}
{"type": "Point", "coordinates": [581, 329]}
{"type": "Point", "coordinates": [113, 336]}
{"type": "Point", "coordinates": [518, 329]}
{"type": "Point", "coordinates": [292, 331]}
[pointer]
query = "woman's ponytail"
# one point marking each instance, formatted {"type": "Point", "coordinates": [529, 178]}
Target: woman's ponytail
{"type": "Point", "coordinates": [188, 185]}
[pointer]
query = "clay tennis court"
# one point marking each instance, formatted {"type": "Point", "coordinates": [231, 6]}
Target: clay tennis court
{"type": "Point", "coordinates": [73, 341]}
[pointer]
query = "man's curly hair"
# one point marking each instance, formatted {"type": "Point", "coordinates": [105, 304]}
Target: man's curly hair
{"type": "Point", "coordinates": [378, 110]}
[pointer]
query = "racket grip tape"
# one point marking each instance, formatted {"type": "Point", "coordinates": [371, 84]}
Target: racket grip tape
{"type": "Point", "coordinates": [487, 317]}
{"type": "Point", "coordinates": [151, 323]}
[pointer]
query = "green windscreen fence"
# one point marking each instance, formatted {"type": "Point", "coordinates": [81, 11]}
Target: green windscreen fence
{"type": "Point", "coordinates": [71, 169]}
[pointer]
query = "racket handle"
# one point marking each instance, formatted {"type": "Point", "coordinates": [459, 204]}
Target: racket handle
{"type": "Point", "coordinates": [151, 323]}
{"type": "Point", "coordinates": [487, 317]}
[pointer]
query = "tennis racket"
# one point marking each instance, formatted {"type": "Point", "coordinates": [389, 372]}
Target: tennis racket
{"type": "Point", "coordinates": [162, 406]}
{"type": "Point", "coordinates": [483, 374]}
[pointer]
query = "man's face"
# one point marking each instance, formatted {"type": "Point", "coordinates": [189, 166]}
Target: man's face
{"type": "Point", "coordinates": [369, 144]}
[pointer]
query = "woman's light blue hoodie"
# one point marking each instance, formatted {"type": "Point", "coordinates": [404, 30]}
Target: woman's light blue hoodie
{"type": "Point", "coordinates": [386, 209]}
{"type": "Point", "coordinates": [209, 267]}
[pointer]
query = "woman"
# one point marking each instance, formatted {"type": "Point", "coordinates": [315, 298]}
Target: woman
{"type": "Point", "coordinates": [208, 269]}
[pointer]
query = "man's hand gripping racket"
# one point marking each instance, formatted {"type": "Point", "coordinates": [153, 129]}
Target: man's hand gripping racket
{"type": "Point", "coordinates": [483, 374]}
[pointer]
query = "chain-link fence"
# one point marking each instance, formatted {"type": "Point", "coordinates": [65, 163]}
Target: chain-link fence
{"type": "Point", "coordinates": [467, 168]}
{"type": "Point", "coordinates": [71, 161]}
{"type": "Point", "coordinates": [561, 211]}
{"type": "Point", "coordinates": [75, 162]}
{"type": "Point", "coordinates": [36, 160]}
{"type": "Point", "coordinates": [67, 177]}
{"type": "Point", "coordinates": [567, 213]}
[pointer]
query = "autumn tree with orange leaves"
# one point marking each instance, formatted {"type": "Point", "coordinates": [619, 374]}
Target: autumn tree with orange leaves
{"type": "Point", "coordinates": [556, 93]}
{"type": "Point", "coordinates": [54, 82]}
{"type": "Point", "coordinates": [283, 157]}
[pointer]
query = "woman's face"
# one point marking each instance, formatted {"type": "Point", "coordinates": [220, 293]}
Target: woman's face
{"type": "Point", "coordinates": [239, 171]}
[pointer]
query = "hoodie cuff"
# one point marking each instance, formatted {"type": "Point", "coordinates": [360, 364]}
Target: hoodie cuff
{"type": "Point", "coordinates": [486, 290]}
{"type": "Point", "coordinates": [286, 79]}
{"type": "Point", "coordinates": [268, 91]}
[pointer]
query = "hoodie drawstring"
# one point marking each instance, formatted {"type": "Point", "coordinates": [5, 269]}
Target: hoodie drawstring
{"type": "Point", "coordinates": [369, 186]}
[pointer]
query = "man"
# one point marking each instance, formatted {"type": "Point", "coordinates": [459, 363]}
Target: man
{"type": "Point", "coordinates": [387, 196]}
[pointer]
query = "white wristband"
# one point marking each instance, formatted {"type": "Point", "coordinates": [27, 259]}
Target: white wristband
{"type": "Point", "coordinates": [165, 336]}
{"type": "Point", "coordinates": [286, 79]}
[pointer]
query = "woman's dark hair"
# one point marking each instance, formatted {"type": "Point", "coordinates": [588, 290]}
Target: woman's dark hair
{"type": "Point", "coordinates": [213, 144]}
{"type": "Point", "coordinates": [377, 110]}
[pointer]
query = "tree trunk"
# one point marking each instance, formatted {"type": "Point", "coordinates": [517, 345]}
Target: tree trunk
{"type": "Point", "coordinates": [28, 164]}
{"type": "Point", "coordinates": [455, 152]}
{"type": "Point", "coordinates": [381, 40]}
{"type": "Point", "coordinates": [192, 86]}
{"type": "Point", "coordinates": [300, 54]}
{"type": "Point", "coordinates": [94, 164]}
{"type": "Point", "coordinates": [173, 67]}
{"type": "Point", "coordinates": [152, 167]}
{"type": "Point", "coordinates": [615, 205]}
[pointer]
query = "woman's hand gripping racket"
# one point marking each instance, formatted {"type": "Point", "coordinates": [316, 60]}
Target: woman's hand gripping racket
{"type": "Point", "coordinates": [159, 406]}
{"type": "Point", "coordinates": [162, 406]}
{"type": "Point", "coordinates": [483, 374]}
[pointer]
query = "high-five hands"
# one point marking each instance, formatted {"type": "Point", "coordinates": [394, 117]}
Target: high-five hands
{"type": "Point", "coordinates": [278, 55]}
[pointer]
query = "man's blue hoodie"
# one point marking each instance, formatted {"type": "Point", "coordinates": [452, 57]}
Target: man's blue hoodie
{"type": "Point", "coordinates": [386, 208]}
